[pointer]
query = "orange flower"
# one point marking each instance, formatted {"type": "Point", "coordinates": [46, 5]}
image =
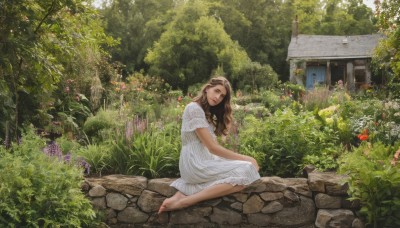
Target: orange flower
{"type": "Point", "coordinates": [362, 137]}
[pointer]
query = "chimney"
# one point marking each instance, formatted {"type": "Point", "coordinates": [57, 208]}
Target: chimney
{"type": "Point", "coordinates": [295, 28]}
{"type": "Point", "coordinates": [345, 41]}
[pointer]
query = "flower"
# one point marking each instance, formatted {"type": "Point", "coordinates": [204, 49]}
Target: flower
{"type": "Point", "coordinates": [395, 158]}
{"type": "Point", "coordinates": [364, 135]}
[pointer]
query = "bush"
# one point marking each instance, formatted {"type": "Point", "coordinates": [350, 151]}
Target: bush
{"type": "Point", "coordinates": [98, 157]}
{"type": "Point", "coordinates": [103, 120]}
{"type": "Point", "coordinates": [375, 182]}
{"type": "Point", "coordinates": [152, 152]}
{"type": "Point", "coordinates": [286, 139]}
{"type": "Point", "coordinates": [40, 191]}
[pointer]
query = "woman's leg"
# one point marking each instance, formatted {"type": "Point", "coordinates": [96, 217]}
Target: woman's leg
{"type": "Point", "coordinates": [179, 200]}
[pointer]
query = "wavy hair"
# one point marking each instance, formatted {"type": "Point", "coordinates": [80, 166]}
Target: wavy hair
{"type": "Point", "coordinates": [220, 115]}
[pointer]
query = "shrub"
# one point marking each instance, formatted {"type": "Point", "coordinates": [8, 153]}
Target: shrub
{"type": "Point", "coordinates": [98, 157]}
{"type": "Point", "coordinates": [152, 153]}
{"type": "Point", "coordinates": [317, 99]}
{"type": "Point", "coordinates": [40, 191]}
{"type": "Point", "coordinates": [375, 182]}
{"type": "Point", "coordinates": [103, 120]}
{"type": "Point", "coordinates": [285, 139]}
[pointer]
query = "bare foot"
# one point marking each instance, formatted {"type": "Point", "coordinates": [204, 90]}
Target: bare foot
{"type": "Point", "coordinates": [172, 203]}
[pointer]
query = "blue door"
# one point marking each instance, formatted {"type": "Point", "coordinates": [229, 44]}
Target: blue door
{"type": "Point", "coordinates": [315, 76]}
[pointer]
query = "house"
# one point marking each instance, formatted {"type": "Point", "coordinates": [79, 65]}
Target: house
{"type": "Point", "coordinates": [320, 59]}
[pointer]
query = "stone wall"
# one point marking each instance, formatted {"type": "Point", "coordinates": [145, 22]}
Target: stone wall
{"type": "Point", "coordinates": [316, 201]}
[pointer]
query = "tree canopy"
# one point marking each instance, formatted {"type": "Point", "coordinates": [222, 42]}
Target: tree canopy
{"type": "Point", "coordinates": [42, 44]}
{"type": "Point", "coordinates": [193, 45]}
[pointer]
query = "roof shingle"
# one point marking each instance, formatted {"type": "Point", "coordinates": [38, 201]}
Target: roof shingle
{"type": "Point", "coordinates": [332, 47]}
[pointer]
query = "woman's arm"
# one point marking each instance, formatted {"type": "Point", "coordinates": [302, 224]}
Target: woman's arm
{"type": "Point", "coordinates": [214, 147]}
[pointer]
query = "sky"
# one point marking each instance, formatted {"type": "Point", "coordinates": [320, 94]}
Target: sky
{"type": "Point", "coordinates": [369, 3]}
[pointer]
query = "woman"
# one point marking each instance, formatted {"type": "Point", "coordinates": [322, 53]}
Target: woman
{"type": "Point", "coordinates": [207, 169]}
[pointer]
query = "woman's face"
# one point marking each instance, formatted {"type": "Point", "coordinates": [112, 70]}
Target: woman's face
{"type": "Point", "coordinates": [215, 94]}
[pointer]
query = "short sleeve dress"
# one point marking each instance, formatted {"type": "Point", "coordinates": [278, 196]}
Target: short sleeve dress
{"type": "Point", "coordinates": [201, 169]}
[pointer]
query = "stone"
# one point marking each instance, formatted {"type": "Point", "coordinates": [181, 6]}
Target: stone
{"type": "Point", "coordinates": [253, 205]}
{"type": "Point", "coordinates": [161, 186]}
{"type": "Point", "coordinates": [132, 215]}
{"type": "Point", "coordinates": [110, 213]}
{"type": "Point", "coordinates": [357, 223]}
{"type": "Point", "coordinates": [150, 201]}
{"type": "Point", "coordinates": [228, 199]}
{"type": "Point", "coordinates": [259, 219]}
{"type": "Point", "coordinates": [256, 187]}
{"type": "Point", "coordinates": [241, 197]}
{"type": "Point", "coordinates": [162, 218]}
{"type": "Point", "coordinates": [308, 169]}
{"type": "Point", "coordinates": [85, 186]}
{"type": "Point", "coordinates": [338, 189]}
{"type": "Point", "coordinates": [293, 197]}
{"type": "Point", "coordinates": [272, 207]}
{"type": "Point", "coordinates": [116, 201]}
{"type": "Point", "coordinates": [273, 184]}
{"type": "Point", "coordinates": [271, 196]}
{"type": "Point", "coordinates": [296, 216]}
{"type": "Point", "coordinates": [223, 216]}
{"type": "Point", "coordinates": [213, 202]}
{"type": "Point", "coordinates": [133, 185]}
{"type": "Point", "coordinates": [238, 206]}
{"type": "Point", "coordinates": [192, 215]}
{"type": "Point", "coordinates": [99, 203]}
{"type": "Point", "coordinates": [112, 221]}
{"type": "Point", "coordinates": [334, 218]}
{"type": "Point", "coordinates": [328, 182]}
{"type": "Point", "coordinates": [325, 201]}
{"type": "Point", "coordinates": [97, 190]}
{"type": "Point", "coordinates": [299, 186]}
{"type": "Point", "coordinates": [156, 218]}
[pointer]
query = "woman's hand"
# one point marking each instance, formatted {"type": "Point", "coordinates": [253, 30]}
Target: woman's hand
{"type": "Point", "coordinates": [252, 160]}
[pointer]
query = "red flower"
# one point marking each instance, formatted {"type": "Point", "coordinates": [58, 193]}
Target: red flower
{"type": "Point", "coordinates": [362, 137]}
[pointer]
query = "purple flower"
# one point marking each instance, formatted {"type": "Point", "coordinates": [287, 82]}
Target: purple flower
{"type": "Point", "coordinates": [86, 166]}
{"type": "Point", "coordinates": [52, 149]}
{"type": "Point", "coordinates": [128, 130]}
{"type": "Point", "coordinates": [67, 157]}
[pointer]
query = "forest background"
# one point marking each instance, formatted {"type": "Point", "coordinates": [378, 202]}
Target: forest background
{"type": "Point", "coordinates": [105, 87]}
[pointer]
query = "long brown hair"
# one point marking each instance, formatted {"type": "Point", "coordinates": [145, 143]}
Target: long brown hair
{"type": "Point", "coordinates": [220, 115]}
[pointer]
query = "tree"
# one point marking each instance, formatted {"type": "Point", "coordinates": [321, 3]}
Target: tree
{"type": "Point", "coordinates": [137, 24]}
{"type": "Point", "coordinates": [257, 76]}
{"type": "Point", "coordinates": [193, 46]}
{"type": "Point", "coordinates": [39, 41]}
{"type": "Point", "coordinates": [350, 17]}
{"type": "Point", "coordinates": [388, 51]}
{"type": "Point", "coordinates": [262, 28]}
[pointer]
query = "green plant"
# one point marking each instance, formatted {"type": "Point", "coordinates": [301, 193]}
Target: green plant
{"type": "Point", "coordinates": [285, 138]}
{"type": "Point", "coordinates": [317, 99]}
{"type": "Point", "coordinates": [41, 191]}
{"type": "Point", "coordinates": [375, 182]}
{"type": "Point", "coordinates": [98, 156]}
{"type": "Point", "coordinates": [104, 119]}
{"type": "Point", "coordinates": [151, 153]}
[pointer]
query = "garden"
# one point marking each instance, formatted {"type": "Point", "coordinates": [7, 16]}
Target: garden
{"type": "Point", "coordinates": [73, 107]}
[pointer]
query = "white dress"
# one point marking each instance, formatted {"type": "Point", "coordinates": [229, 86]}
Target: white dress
{"type": "Point", "coordinates": [201, 169]}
